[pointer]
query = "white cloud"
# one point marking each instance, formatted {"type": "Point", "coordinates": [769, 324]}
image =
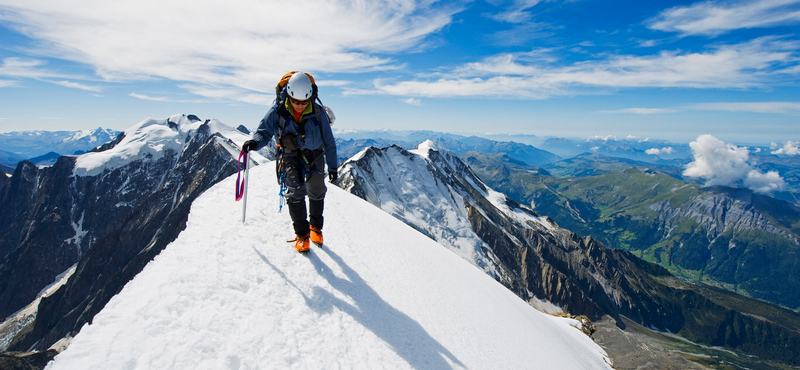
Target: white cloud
{"type": "Point", "coordinates": [752, 107]}
{"type": "Point", "coordinates": [76, 85]}
{"type": "Point", "coordinates": [517, 12]}
{"type": "Point", "coordinates": [150, 98]}
{"type": "Point", "coordinates": [764, 182]}
{"type": "Point", "coordinates": [327, 82]}
{"type": "Point", "coordinates": [231, 93]}
{"type": "Point", "coordinates": [602, 137]}
{"type": "Point", "coordinates": [239, 51]}
{"type": "Point", "coordinates": [642, 111]}
{"type": "Point", "coordinates": [7, 83]}
{"type": "Point", "coordinates": [10, 65]}
{"type": "Point", "coordinates": [24, 67]}
{"type": "Point", "coordinates": [648, 43]}
{"type": "Point", "coordinates": [790, 148]}
{"type": "Point", "coordinates": [35, 69]}
{"type": "Point", "coordinates": [412, 101]}
{"type": "Point", "coordinates": [656, 151]}
{"type": "Point", "coordinates": [712, 18]}
{"type": "Point", "coordinates": [534, 75]}
{"type": "Point", "coordinates": [247, 46]}
{"type": "Point", "coordinates": [726, 165]}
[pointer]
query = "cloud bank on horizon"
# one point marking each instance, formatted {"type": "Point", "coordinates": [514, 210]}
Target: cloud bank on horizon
{"type": "Point", "coordinates": [409, 50]}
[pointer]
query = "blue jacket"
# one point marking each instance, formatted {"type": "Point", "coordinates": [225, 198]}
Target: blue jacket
{"type": "Point", "coordinates": [311, 137]}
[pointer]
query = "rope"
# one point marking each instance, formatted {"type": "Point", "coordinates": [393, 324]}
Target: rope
{"type": "Point", "coordinates": [239, 179]}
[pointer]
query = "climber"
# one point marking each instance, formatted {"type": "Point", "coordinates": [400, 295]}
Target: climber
{"type": "Point", "coordinates": [302, 131]}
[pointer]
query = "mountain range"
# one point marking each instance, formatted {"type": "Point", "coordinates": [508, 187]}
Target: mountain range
{"type": "Point", "coordinates": [734, 238]}
{"type": "Point", "coordinates": [18, 146]}
{"type": "Point", "coordinates": [528, 154]}
{"type": "Point", "coordinates": [437, 193]}
{"type": "Point", "coordinates": [88, 224]}
{"type": "Point", "coordinates": [631, 148]}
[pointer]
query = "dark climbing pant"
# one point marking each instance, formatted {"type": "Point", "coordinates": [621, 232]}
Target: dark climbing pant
{"type": "Point", "coordinates": [305, 176]}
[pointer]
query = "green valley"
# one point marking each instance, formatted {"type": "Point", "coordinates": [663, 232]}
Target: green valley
{"type": "Point", "coordinates": [732, 238]}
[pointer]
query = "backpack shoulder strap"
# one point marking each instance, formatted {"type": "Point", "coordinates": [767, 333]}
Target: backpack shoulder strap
{"type": "Point", "coordinates": [281, 126]}
{"type": "Point", "coordinates": [318, 112]}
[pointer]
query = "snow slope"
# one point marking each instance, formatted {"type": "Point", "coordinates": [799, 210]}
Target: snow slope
{"type": "Point", "coordinates": [378, 295]}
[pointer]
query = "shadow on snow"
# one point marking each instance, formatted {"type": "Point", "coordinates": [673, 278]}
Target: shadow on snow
{"type": "Point", "coordinates": [402, 333]}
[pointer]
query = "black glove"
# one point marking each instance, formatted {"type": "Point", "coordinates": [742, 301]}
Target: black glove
{"type": "Point", "coordinates": [250, 145]}
{"type": "Point", "coordinates": [333, 175]}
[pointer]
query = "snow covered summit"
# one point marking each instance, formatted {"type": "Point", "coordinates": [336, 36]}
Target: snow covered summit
{"type": "Point", "coordinates": [378, 295]}
{"type": "Point", "coordinates": [151, 139]}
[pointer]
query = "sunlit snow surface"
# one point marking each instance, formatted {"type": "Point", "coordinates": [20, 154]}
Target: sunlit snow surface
{"type": "Point", "coordinates": [378, 295]}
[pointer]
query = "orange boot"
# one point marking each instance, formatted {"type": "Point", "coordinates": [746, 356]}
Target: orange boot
{"type": "Point", "coordinates": [301, 243]}
{"type": "Point", "coordinates": [316, 236]}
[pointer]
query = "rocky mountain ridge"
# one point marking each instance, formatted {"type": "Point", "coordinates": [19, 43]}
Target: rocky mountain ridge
{"type": "Point", "coordinates": [110, 217]}
{"type": "Point", "coordinates": [717, 213]}
{"type": "Point", "coordinates": [734, 238]}
{"type": "Point", "coordinates": [550, 267]}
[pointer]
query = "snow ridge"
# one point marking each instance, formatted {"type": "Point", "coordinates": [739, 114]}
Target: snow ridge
{"type": "Point", "coordinates": [378, 295]}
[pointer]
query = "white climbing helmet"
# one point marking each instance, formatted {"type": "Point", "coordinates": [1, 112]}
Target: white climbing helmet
{"type": "Point", "coordinates": [299, 86]}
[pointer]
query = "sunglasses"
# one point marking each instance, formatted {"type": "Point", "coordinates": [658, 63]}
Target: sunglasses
{"type": "Point", "coordinates": [298, 102]}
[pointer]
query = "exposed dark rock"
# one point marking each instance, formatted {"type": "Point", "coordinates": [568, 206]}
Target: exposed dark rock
{"type": "Point", "coordinates": [36, 221]}
{"type": "Point", "coordinates": [26, 360]}
{"type": "Point", "coordinates": [127, 216]}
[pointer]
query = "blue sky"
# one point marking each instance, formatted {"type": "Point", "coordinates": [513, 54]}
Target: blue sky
{"type": "Point", "coordinates": [657, 69]}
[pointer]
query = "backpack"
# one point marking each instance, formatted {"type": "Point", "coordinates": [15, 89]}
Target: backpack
{"type": "Point", "coordinates": [280, 97]}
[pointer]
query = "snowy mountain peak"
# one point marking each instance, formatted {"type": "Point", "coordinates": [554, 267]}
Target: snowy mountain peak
{"type": "Point", "coordinates": [229, 296]}
{"type": "Point", "coordinates": [425, 147]}
{"type": "Point", "coordinates": [30, 144]}
{"type": "Point", "coordinates": [435, 192]}
{"type": "Point", "coordinates": [151, 139]}
{"type": "Point", "coordinates": [90, 135]}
